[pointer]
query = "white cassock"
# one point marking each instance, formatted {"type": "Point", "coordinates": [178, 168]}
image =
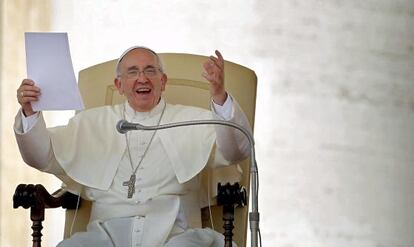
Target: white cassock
{"type": "Point", "coordinates": [92, 159]}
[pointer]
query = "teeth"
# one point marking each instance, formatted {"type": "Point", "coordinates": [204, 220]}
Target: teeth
{"type": "Point", "coordinates": [143, 90]}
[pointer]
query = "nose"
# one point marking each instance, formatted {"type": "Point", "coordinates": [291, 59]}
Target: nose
{"type": "Point", "coordinates": [141, 77]}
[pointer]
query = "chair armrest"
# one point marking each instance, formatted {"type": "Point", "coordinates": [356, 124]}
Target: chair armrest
{"type": "Point", "coordinates": [37, 199]}
{"type": "Point", "coordinates": [30, 195]}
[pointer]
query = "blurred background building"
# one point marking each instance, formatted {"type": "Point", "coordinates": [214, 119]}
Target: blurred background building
{"type": "Point", "coordinates": [335, 108]}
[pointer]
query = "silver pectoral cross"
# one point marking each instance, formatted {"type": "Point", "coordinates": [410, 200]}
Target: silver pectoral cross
{"type": "Point", "coordinates": [131, 185]}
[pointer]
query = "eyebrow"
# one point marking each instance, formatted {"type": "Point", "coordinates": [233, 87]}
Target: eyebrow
{"type": "Point", "coordinates": [136, 68]}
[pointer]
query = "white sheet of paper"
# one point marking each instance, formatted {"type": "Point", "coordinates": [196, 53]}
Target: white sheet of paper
{"type": "Point", "coordinates": [49, 65]}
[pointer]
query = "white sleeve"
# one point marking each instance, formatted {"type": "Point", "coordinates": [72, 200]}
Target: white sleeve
{"type": "Point", "coordinates": [34, 143]}
{"type": "Point", "coordinates": [28, 122]}
{"type": "Point", "coordinates": [225, 110]}
{"type": "Point", "coordinates": [232, 144]}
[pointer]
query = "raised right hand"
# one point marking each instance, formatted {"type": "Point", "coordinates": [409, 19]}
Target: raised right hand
{"type": "Point", "coordinates": [26, 94]}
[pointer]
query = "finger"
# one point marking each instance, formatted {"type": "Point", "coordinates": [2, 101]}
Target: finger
{"type": "Point", "coordinates": [27, 93]}
{"type": "Point", "coordinates": [207, 76]}
{"type": "Point", "coordinates": [211, 67]}
{"type": "Point", "coordinates": [218, 66]}
{"type": "Point", "coordinates": [216, 62]}
{"type": "Point", "coordinates": [207, 65]}
{"type": "Point", "coordinates": [220, 57]}
{"type": "Point", "coordinates": [31, 88]}
{"type": "Point", "coordinates": [214, 75]}
{"type": "Point", "coordinates": [27, 85]}
{"type": "Point", "coordinates": [214, 59]}
{"type": "Point", "coordinates": [24, 94]}
{"type": "Point", "coordinates": [27, 100]}
{"type": "Point", "coordinates": [27, 82]}
{"type": "Point", "coordinates": [210, 78]}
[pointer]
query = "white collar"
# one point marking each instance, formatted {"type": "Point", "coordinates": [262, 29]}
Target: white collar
{"type": "Point", "coordinates": [131, 114]}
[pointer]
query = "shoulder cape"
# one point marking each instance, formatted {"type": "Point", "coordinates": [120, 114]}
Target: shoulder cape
{"type": "Point", "coordinates": [90, 148]}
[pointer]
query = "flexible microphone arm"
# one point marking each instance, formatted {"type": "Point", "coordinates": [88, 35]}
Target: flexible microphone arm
{"type": "Point", "coordinates": [124, 126]}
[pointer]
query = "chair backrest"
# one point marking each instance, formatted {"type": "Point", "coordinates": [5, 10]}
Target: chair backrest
{"type": "Point", "coordinates": [185, 86]}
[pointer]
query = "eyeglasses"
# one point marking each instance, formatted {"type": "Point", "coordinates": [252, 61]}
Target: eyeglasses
{"type": "Point", "coordinates": [148, 72]}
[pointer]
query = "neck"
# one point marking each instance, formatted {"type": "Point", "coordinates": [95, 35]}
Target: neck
{"type": "Point", "coordinates": [137, 109]}
{"type": "Point", "coordinates": [139, 115]}
{"type": "Point", "coordinates": [142, 110]}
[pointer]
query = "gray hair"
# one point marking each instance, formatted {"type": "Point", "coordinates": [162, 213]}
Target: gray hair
{"type": "Point", "coordinates": [118, 72]}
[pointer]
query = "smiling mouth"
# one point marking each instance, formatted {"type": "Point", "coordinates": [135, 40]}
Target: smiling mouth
{"type": "Point", "coordinates": [143, 91]}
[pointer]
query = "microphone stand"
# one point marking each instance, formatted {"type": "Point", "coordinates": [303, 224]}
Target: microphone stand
{"type": "Point", "coordinates": [124, 126]}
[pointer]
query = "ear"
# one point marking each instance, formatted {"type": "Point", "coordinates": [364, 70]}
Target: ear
{"type": "Point", "coordinates": [164, 79]}
{"type": "Point", "coordinates": [118, 85]}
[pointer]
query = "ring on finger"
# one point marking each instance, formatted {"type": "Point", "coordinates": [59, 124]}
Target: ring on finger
{"type": "Point", "coordinates": [22, 94]}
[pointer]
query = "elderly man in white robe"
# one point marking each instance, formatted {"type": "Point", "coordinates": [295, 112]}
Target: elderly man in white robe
{"type": "Point", "coordinates": [142, 183]}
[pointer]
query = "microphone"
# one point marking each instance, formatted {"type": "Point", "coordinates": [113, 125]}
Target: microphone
{"type": "Point", "coordinates": [124, 126]}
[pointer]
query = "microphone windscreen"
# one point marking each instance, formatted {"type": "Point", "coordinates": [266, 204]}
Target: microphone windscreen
{"type": "Point", "coordinates": [120, 126]}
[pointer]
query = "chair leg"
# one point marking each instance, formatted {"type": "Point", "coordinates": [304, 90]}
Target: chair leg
{"type": "Point", "coordinates": [37, 215]}
{"type": "Point", "coordinates": [37, 199]}
{"type": "Point", "coordinates": [228, 218]}
{"type": "Point", "coordinates": [230, 196]}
